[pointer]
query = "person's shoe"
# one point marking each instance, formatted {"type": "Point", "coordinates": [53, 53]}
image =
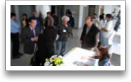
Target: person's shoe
{"type": "Point", "coordinates": [16, 57]}
{"type": "Point", "coordinates": [20, 54]}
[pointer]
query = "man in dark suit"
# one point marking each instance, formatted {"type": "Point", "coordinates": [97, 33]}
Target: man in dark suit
{"type": "Point", "coordinates": [90, 35]}
{"type": "Point", "coordinates": [29, 38]}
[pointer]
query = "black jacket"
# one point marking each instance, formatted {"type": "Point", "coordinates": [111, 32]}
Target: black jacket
{"type": "Point", "coordinates": [26, 36]}
{"type": "Point", "coordinates": [44, 50]}
{"type": "Point", "coordinates": [56, 21]}
{"type": "Point", "coordinates": [89, 40]}
{"type": "Point", "coordinates": [71, 21]}
{"type": "Point", "coordinates": [64, 32]}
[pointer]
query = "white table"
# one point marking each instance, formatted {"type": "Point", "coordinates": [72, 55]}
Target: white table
{"type": "Point", "coordinates": [73, 57]}
{"type": "Point", "coordinates": [115, 46]}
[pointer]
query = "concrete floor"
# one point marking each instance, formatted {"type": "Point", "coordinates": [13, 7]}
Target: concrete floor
{"type": "Point", "coordinates": [75, 42]}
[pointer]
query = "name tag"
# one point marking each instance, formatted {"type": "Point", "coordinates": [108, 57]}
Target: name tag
{"type": "Point", "coordinates": [64, 30]}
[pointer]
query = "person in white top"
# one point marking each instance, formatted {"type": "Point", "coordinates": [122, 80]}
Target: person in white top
{"type": "Point", "coordinates": [101, 24]}
{"type": "Point", "coordinates": [95, 20]}
{"type": "Point", "coordinates": [107, 30]}
{"type": "Point", "coordinates": [113, 15]}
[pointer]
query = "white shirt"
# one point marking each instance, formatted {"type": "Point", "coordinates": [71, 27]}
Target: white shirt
{"type": "Point", "coordinates": [109, 28]}
{"type": "Point", "coordinates": [102, 24]}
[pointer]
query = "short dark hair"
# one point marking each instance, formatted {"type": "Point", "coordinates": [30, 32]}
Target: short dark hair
{"type": "Point", "coordinates": [52, 12]}
{"type": "Point", "coordinates": [13, 14]}
{"type": "Point", "coordinates": [101, 17]}
{"type": "Point", "coordinates": [103, 14]}
{"type": "Point", "coordinates": [90, 17]}
{"type": "Point", "coordinates": [31, 18]}
{"type": "Point", "coordinates": [69, 13]}
{"type": "Point", "coordinates": [49, 13]}
{"type": "Point", "coordinates": [109, 16]}
{"type": "Point", "coordinates": [24, 15]}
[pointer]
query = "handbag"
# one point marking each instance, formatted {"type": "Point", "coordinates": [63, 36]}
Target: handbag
{"type": "Point", "coordinates": [33, 61]}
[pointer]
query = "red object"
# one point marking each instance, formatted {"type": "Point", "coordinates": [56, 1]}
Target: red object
{"type": "Point", "coordinates": [102, 6]}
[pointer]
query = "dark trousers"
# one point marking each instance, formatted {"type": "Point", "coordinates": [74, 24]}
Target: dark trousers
{"type": "Point", "coordinates": [15, 41]}
{"type": "Point", "coordinates": [116, 26]}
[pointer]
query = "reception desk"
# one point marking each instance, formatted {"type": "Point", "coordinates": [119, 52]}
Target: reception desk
{"type": "Point", "coordinates": [79, 57]}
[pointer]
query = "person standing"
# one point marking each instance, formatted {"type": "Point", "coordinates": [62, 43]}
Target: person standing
{"type": "Point", "coordinates": [56, 21]}
{"type": "Point", "coordinates": [107, 30]}
{"type": "Point", "coordinates": [49, 21]}
{"type": "Point", "coordinates": [118, 22]}
{"type": "Point", "coordinates": [90, 35]}
{"type": "Point", "coordinates": [64, 31]}
{"type": "Point", "coordinates": [46, 47]}
{"type": "Point", "coordinates": [95, 20]}
{"type": "Point", "coordinates": [103, 56]}
{"type": "Point", "coordinates": [36, 15]}
{"type": "Point", "coordinates": [72, 20]}
{"type": "Point", "coordinates": [15, 29]}
{"type": "Point", "coordinates": [101, 24]}
{"type": "Point", "coordinates": [24, 21]}
{"type": "Point", "coordinates": [113, 15]}
{"type": "Point", "coordinates": [29, 37]}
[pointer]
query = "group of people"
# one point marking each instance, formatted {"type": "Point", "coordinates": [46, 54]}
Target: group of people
{"type": "Point", "coordinates": [33, 34]}
{"type": "Point", "coordinates": [96, 34]}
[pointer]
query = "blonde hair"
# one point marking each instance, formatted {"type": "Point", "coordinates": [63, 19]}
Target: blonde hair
{"type": "Point", "coordinates": [65, 17]}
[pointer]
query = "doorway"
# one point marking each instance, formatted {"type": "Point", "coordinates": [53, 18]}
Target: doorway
{"type": "Point", "coordinates": [26, 9]}
{"type": "Point", "coordinates": [12, 9]}
{"type": "Point", "coordinates": [58, 10]}
{"type": "Point", "coordinates": [91, 10]}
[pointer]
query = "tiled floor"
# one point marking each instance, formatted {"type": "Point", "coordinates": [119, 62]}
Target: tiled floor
{"type": "Point", "coordinates": [75, 42]}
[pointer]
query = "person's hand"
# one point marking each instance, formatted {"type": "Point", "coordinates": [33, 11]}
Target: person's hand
{"type": "Point", "coordinates": [35, 38]}
{"type": "Point", "coordinates": [83, 58]}
{"type": "Point", "coordinates": [91, 56]}
{"type": "Point", "coordinates": [86, 65]}
{"type": "Point", "coordinates": [66, 25]}
{"type": "Point", "coordinates": [93, 48]}
{"type": "Point", "coordinates": [81, 41]}
{"type": "Point", "coordinates": [103, 29]}
{"type": "Point", "coordinates": [19, 34]}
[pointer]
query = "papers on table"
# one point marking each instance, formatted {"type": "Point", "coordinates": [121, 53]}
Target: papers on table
{"type": "Point", "coordinates": [79, 57]}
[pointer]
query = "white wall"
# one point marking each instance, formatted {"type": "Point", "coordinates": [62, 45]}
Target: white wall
{"type": "Point", "coordinates": [80, 16]}
{"type": "Point", "coordinates": [43, 9]}
{"type": "Point", "coordinates": [116, 9]}
{"type": "Point", "coordinates": [108, 9]}
{"type": "Point", "coordinates": [16, 8]}
{"type": "Point", "coordinates": [46, 8]}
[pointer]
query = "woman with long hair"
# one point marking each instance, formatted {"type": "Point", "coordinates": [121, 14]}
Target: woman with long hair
{"type": "Point", "coordinates": [45, 45]}
{"type": "Point", "coordinates": [102, 55]}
